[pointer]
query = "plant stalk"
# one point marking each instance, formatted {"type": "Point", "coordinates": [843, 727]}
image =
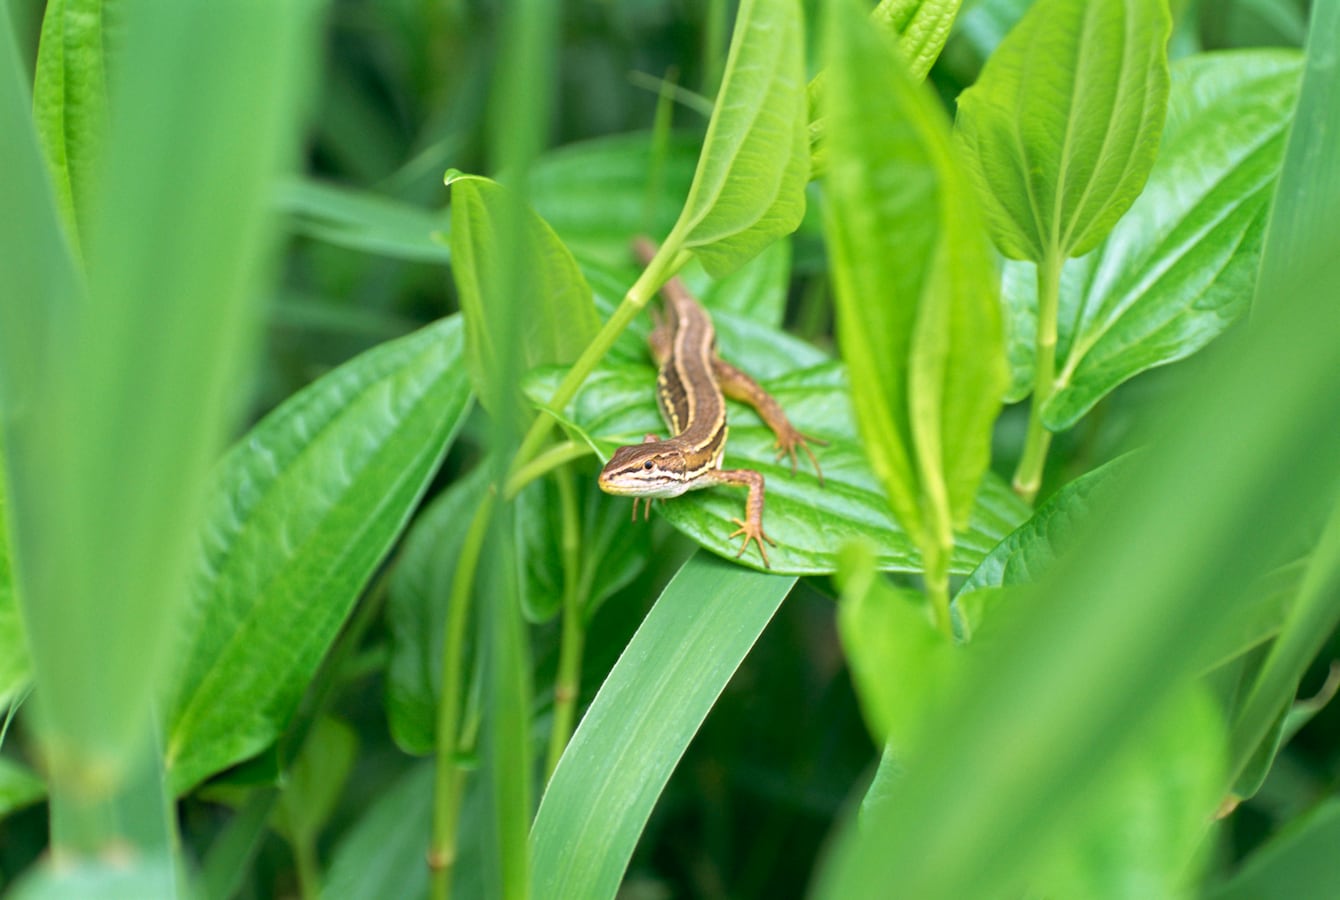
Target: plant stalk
{"type": "Point", "coordinates": [448, 782]}
{"type": "Point", "coordinates": [567, 684]}
{"type": "Point", "coordinates": [666, 263]}
{"type": "Point", "coordinates": [1028, 475]}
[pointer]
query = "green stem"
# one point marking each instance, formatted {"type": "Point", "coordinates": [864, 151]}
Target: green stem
{"type": "Point", "coordinates": [554, 457]}
{"type": "Point", "coordinates": [936, 555]}
{"type": "Point", "coordinates": [568, 681]}
{"type": "Point", "coordinates": [668, 261]}
{"type": "Point", "coordinates": [449, 779]}
{"type": "Point", "coordinates": [1028, 475]}
{"type": "Point", "coordinates": [309, 872]}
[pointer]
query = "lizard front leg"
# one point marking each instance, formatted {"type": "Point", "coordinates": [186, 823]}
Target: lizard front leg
{"type": "Point", "coordinates": [752, 524]}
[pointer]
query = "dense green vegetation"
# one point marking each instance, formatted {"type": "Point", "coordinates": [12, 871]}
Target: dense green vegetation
{"type": "Point", "coordinates": [319, 319]}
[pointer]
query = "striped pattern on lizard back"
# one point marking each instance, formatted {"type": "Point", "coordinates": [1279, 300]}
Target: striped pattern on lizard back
{"type": "Point", "coordinates": [687, 391]}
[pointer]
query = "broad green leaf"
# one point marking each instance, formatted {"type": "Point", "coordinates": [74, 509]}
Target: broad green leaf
{"type": "Point", "coordinates": [1032, 548]}
{"type": "Point", "coordinates": [1178, 269]}
{"type": "Point", "coordinates": [918, 314]}
{"type": "Point", "coordinates": [901, 664]}
{"type": "Point", "coordinates": [304, 510]}
{"type": "Point", "coordinates": [314, 782]}
{"type": "Point", "coordinates": [1062, 126]}
{"type": "Point", "coordinates": [88, 877]}
{"type": "Point", "coordinates": [15, 667]}
{"type": "Point", "coordinates": [810, 523]}
{"type": "Point", "coordinates": [749, 188]}
{"type": "Point", "coordinates": [1299, 861]}
{"type": "Point", "coordinates": [560, 318]}
{"type": "Point", "coordinates": [921, 28]}
{"type": "Point", "coordinates": [365, 221]}
{"type": "Point", "coordinates": [19, 787]}
{"type": "Point", "coordinates": [70, 102]}
{"type": "Point", "coordinates": [1146, 818]}
{"type": "Point", "coordinates": [637, 728]}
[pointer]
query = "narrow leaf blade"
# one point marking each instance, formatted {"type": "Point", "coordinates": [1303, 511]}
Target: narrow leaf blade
{"type": "Point", "coordinates": [642, 720]}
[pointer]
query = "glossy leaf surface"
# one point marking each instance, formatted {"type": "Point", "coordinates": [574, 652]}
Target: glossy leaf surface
{"type": "Point", "coordinates": [1062, 125]}
{"type": "Point", "coordinates": [1178, 269]}
{"type": "Point", "coordinates": [304, 510]}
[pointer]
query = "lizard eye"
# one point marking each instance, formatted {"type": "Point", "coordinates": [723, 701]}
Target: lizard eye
{"type": "Point", "coordinates": [648, 464]}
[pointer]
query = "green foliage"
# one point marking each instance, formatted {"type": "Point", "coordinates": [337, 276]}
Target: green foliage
{"type": "Point", "coordinates": [811, 522]}
{"type": "Point", "coordinates": [927, 363]}
{"type": "Point", "coordinates": [70, 103]}
{"type": "Point", "coordinates": [15, 667]}
{"type": "Point", "coordinates": [1062, 127]}
{"type": "Point", "coordinates": [382, 569]}
{"type": "Point", "coordinates": [749, 188]}
{"type": "Point", "coordinates": [637, 727]}
{"type": "Point", "coordinates": [562, 319]}
{"type": "Point", "coordinates": [1178, 269]}
{"type": "Point", "coordinates": [891, 646]}
{"type": "Point", "coordinates": [302, 514]}
{"type": "Point", "coordinates": [922, 27]}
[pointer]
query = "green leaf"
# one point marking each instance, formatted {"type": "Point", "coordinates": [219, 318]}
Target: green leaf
{"type": "Point", "coordinates": [918, 315]}
{"type": "Point", "coordinates": [70, 102]}
{"type": "Point", "coordinates": [19, 786]}
{"type": "Point", "coordinates": [921, 27]}
{"type": "Point", "coordinates": [35, 259]}
{"type": "Point", "coordinates": [810, 523]}
{"type": "Point", "coordinates": [361, 220]}
{"type": "Point", "coordinates": [560, 317]}
{"type": "Point", "coordinates": [108, 482]}
{"type": "Point", "coordinates": [15, 666]}
{"type": "Point", "coordinates": [315, 780]}
{"type": "Point", "coordinates": [608, 560]}
{"type": "Point", "coordinates": [1299, 861]}
{"type": "Point", "coordinates": [749, 188]}
{"type": "Point", "coordinates": [597, 194]}
{"type": "Point", "coordinates": [1032, 548]}
{"type": "Point", "coordinates": [382, 854]}
{"type": "Point", "coordinates": [416, 610]}
{"type": "Point", "coordinates": [901, 664]}
{"type": "Point", "coordinates": [1178, 269]}
{"type": "Point", "coordinates": [641, 721]}
{"type": "Point", "coordinates": [304, 510]}
{"type": "Point", "coordinates": [1063, 124]}
{"type": "Point", "coordinates": [1145, 819]}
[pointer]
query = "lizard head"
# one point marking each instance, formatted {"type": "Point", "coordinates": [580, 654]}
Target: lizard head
{"type": "Point", "coordinates": [651, 469]}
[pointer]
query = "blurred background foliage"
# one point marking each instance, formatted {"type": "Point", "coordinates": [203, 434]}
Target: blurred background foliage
{"type": "Point", "coordinates": [402, 96]}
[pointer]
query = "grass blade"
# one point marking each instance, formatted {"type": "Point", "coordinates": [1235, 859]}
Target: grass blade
{"type": "Point", "coordinates": [642, 720]}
